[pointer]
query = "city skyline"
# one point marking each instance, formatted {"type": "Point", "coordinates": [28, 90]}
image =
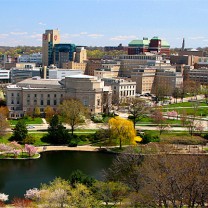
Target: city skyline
{"type": "Point", "coordinates": [104, 22]}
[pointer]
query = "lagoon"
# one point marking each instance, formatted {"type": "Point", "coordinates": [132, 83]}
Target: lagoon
{"type": "Point", "coordinates": [17, 176]}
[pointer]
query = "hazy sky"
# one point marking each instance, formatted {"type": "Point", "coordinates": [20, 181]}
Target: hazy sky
{"type": "Point", "coordinates": [104, 22]}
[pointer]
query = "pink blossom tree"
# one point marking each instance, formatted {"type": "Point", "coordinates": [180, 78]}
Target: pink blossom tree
{"type": "Point", "coordinates": [5, 148]}
{"type": "Point", "coordinates": [30, 149]}
{"type": "Point", "coordinates": [172, 114]}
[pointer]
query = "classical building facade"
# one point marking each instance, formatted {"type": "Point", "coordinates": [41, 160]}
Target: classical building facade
{"type": "Point", "coordinates": [35, 92]}
{"type": "Point", "coordinates": [122, 89]}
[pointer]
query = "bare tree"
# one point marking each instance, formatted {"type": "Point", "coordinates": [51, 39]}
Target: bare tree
{"type": "Point", "coordinates": [73, 112]}
{"type": "Point", "coordinates": [137, 109]}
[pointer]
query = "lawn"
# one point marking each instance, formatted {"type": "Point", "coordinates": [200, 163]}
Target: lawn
{"type": "Point", "coordinates": [28, 121]}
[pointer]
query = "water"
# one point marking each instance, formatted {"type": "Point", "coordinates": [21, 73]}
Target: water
{"type": "Point", "coordinates": [17, 176]}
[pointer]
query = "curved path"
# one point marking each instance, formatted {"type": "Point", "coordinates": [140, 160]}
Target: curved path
{"type": "Point", "coordinates": [57, 148]}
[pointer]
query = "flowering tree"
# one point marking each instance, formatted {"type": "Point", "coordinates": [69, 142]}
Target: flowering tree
{"type": "Point", "coordinates": [5, 148]}
{"type": "Point", "coordinates": [173, 114]}
{"type": "Point", "coordinates": [30, 149]}
{"type": "Point", "coordinates": [159, 120]}
{"type": "Point", "coordinates": [3, 197]}
{"type": "Point", "coordinates": [33, 194]}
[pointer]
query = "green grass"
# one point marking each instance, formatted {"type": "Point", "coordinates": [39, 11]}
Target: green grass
{"type": "Point", "coordinates": [184, 104]}
{"type": "Point", "coordinates": [20, 156]}
{"type": "Point", "coordinates": [28, 121]}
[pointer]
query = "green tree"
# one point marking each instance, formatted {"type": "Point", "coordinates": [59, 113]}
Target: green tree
{"type": "Point", "coordinates": [57, 133]}
{"type": "Point", "coordinates": [110, 192]}
{"type": "Point", "coordinates": [59, 193]}
{"type": "Point", "coordinates": [20, 131]}
{"type": "Point", "coordinates": [79, 177]}
{"type": "Point", "coordinates": [122, 129]}
{"type": "Point", "coordinates": [73, 113]}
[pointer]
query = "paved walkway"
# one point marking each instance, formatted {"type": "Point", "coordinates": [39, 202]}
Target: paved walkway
{"type": "Point", "coordinates": [78, 148]}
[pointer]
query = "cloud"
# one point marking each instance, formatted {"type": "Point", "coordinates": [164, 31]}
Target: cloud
{"type": "Point", "coordinates": [18, 33]}
{"type": "Point", "coordinates": [41, 23]}
{"type": "Point", "coordinates": [123, 37]}
{"type": "Point", "coordinates": [95, 35]}
{"type": "Point", "coordinates": [196, 38]}
{"type": "Point", "coordinates": [83, 33]}
{"type": "Point", "coordinates": [38, 36]}
{"type": "Point", "coordinates": [3, 35]}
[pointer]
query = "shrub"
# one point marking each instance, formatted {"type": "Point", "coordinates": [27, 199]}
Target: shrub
{"type": "Point", "coordinates": [205, 136]}
{"type": "Point", "coordinates": [146, 138]}
{"type": "Point", "coordinates": [29, 140]}
{"type": "Point", "coordinates": [73, 144]}
{"type": "Point", "coordinates": [97, 118]}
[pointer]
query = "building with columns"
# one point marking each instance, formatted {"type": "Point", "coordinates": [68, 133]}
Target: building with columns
{"type": "Point", "coordinates": [36, 92]}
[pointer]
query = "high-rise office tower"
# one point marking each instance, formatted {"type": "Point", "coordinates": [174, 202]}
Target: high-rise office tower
{"type": "Point", "coordinates": [49, 39]}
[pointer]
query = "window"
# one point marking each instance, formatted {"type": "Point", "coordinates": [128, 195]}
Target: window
{"type": "Point", "coordinates": [48, 95]}
{"type": "Point", "coordinates": [35, 95]}
{"type": "Point", "coordinates": [55, 95]}
{"type": "Point", "coordinates": [28, 95]}
{"type": "Point", "coordinates": [98, 102]}
{"type": "Point", "coordinates": [12, 102]}
{"type": "Point", "coordinates": [48, 102]}
{"type": "Point", "coordinates": [12, 94]}
{"type": "Point", "coordinates": [54, 102]}
{"type": "Point", "coordinates": [17, 101]}
{"type": "Point", "coordinates": [41, 102]}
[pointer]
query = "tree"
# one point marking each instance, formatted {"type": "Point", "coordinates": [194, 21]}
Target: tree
{"type": "Point", "coordinates": [3, 124]}
{"type": "Point", "coordinates": [59, 193]}
{"type": "Point", "coordinates": [174, 181]}
{"type": "Point", "coordinates": [159, 120]}
{"type": "Point", "coordinates": [57, 133]}
{"type": "Point", "coordinates": [176, 93]}
{"type": "Point", "coordinates": [20, 131]}
{"type": "Point", "coordinates": [137, 110]}
{"type": "Point", "coordinates": [110, 192]}
{"type": "Point", "coordinates": [122, 129]}
{"type": "Point", "coordinates": [124, 169]}
{"type": "Point", "coordinates": [49, 112]}
{"type": "Point", "coordinates": [73, 113]}
{"type": "Point", "coordinates": [79, 177]}
{"type": "Point", "coordinates": [204, 91]}
{"type": "Point", "coordinates": [37, 111]}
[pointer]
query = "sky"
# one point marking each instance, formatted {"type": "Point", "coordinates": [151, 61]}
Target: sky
{"type": "Point", "coordinates": [104, 22]}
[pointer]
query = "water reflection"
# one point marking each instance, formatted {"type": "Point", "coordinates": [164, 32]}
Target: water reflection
{"type": "Point", "coordinates": [16, 176]}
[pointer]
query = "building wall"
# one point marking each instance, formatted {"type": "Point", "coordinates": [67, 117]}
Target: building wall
{"type": "Point", "coordinates": [49, 39]}
{"type": "Point", "coordinates": [31, 93]}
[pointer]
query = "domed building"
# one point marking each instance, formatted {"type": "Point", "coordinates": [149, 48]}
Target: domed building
{"type": "Point", "coordinates": [154, 45]}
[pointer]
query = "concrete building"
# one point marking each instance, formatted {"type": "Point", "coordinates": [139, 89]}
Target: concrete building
{"type": "Point", "coordinates": [198, 75]}
{"type": "Point", "coordinates": [144, 78]}
{"type": "Point", "coordinates": [32, 58]}
{"type": "Point", "coordinates": [4, 76]}
{"type": "Point", "coordinates": [184, 59]}
{"type": "Point", "coordinates": [167, 81]}
{"type": "Point", "coordinates": [92, 65]}
{"type": "Point", "coordinates": [62, 73]}
{"type": "Point", "coordinates": [18, 74]}
{"type": "Point", "coordinates": [192, 52]}
{"type": "Point", "coordinates": [122, 90]}
{"type": "Point", "coordinates": [202, 62]}
{"type": "Point", "coordinates": [35, 92]}
{"type": "Point", "coordinates": [49, 39]}
{"type": "Point", "coordinates": [130, 62]}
